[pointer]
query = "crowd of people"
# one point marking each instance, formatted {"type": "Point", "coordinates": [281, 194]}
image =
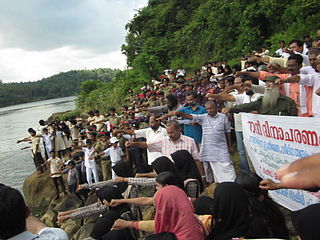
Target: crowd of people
{"type": "Point", "coordinates": [175, 136]}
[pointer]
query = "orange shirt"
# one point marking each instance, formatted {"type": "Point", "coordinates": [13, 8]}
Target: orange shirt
{"type": "Point", "coordinates": [302, 95]}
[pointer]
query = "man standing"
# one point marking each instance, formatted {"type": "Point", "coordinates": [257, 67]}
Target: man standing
{"type": "Point", "coordinates": [216, 143]}
{"type": "Point", "coordinates": [244, 96]}
{"type": "Point", "coordinates": [173, 142]}
{"type": "Point", "coordinates": [309, 76]}
{"type": "Point", "coordinates": [152, 134]}
{"type": "Point", "coordinates": [272, 103]}
{"type": "Point", "coordinates": [35, 149]}
{"type": "Point", "coordinates": [191, 129]}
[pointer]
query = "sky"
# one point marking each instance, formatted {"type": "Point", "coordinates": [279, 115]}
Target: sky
{"type": "Point", "coordinates": [40, 38]}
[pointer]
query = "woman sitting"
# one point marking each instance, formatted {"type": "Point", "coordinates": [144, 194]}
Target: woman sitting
{"type": "Point", "coordinates": [188, 173]}
{"type": "Point", "coordinates": [267, 221]}
{"type": "Point", "coordinates": [109, 214]}
{"type": "Point", "coordinates": [174, 213]}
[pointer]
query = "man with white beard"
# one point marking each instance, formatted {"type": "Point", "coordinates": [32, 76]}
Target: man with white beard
{"type": "Point", "coordinates": [272, 103]}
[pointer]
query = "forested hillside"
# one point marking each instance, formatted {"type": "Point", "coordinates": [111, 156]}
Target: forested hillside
{"type": "Point", "coordinates": [59, 85]}
{"type": "Point", "coordinates": [186, 33]}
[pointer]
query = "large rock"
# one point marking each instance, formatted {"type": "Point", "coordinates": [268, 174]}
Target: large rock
{"type": "Point", "coordinates": [38, 190]}
{"type": "Point", "coordinates": [83, 232]}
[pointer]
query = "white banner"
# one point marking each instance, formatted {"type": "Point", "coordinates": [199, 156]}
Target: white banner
{"type": "Point", "coordinates": [272, 141]}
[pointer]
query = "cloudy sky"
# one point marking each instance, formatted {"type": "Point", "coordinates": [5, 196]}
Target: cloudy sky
{"type": "Point", "coordinates": [39, 38]}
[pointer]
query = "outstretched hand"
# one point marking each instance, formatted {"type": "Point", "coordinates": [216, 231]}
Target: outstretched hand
{"type": "Point", "coordinates": [303, 173]}
{"type": "Point", "coordinates": [120, 224]}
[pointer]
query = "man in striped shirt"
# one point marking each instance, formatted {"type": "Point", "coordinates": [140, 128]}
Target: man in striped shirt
{"type": "Point", "coordinates": [173, 142]}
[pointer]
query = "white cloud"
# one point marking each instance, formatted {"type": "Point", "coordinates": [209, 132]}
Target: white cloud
{"type": "Point", "coordinates": [39, 38]}
{"type": "Point", "coordinates": [18, 65]}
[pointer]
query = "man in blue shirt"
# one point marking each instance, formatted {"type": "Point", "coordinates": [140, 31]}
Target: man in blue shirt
{"type": "Point", "coordinates": [193, 129]}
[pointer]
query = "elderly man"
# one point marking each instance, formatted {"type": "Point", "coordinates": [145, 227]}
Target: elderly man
{"type": "Point", "coordinates": [173, 142]}
{"type": "Point", "coordinates": [272, 103]}
{"type": "Point", "coordinates": [216, 143]}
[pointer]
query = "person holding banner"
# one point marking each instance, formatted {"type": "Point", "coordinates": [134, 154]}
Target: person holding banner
{"type": "Point", "coordinates": [216, 142]}
{"type": "Point", "coordinates": [303, 173]}
{"type": "Point", "coordinates": [272, 103]}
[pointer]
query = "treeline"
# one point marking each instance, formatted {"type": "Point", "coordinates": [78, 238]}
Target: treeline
{"type": "Point", "coordinates": [171, 34]}
{"type": "Point", "coordinates": [59, 85]}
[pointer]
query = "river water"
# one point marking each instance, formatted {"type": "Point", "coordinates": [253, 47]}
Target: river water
{"type": "Point", "coordinates": [16, 164]}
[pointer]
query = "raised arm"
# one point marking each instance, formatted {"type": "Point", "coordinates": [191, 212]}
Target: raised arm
{"type": "Point", "coordinates": [135, 201]}
{"type": "Point", "coordinates": [137, 144]}
{"type": "Point", "coordinates": [26, 139]}
{"type": "Point", "coordinates": [221, 97]}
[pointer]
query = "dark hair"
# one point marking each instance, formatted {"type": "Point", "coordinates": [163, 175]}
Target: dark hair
{"type": "Point", "coordinates": [267, 220]}
{"type": "Point", "coordinates": [227, 69]}
{"type": "Point", "coordinates": [220, 68]}
{"type": "Point", "coordinates": [31, 130]}
{"type": "Point", "coordinates": [162, 236]}
{"type": "Point", "coordinates": [298, 42]}
{"type": "Point", "coordinates": [167, 178]}
{"type": "Point", "coordinates": [42, 122]}
{"type": "Point", "coordinates": [297, 57]}
{"type": "Point", "coordinates": [315, 51]}
{"type": "Point", "coordinates": [282, 41]}
{"type": "Point", "coordinates": [13, 212]}
{"type": "Point", "coordinates": [71, 163]}
{"type": "Point", "coordinates": [125, 106]}
{"type": "Point", "coordinates": [172, 99]}
{"type": "Point", "coordinates": [88, 141]}
{"type": "Point", "coordinates": [230, 79]}
{"type": "Point", "coordinates": [112, 109]}
{"type": "Point", "coordinates": [52, 151]}
{"type": "Point", "coordinates": [96, 111]}
{"type": "Point", "coordinates": [90, 113]}
{"type": "Point", "coordinates": [253, 79]}
{"type": "Point", "coordinates": [192, 93]}
{"type": "Point", "coordinates": [236, 67]}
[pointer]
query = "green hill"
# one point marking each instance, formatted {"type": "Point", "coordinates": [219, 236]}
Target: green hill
{"type": "Point", "coordinates": [187, 33]}
{"type": "Point", "coordinates": [59, 85]}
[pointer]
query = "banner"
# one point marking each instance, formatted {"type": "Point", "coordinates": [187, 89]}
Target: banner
{"type": "Point", "coordinates": [272, 141]}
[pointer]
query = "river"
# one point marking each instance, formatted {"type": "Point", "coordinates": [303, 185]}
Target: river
{"type": "Point", "coordinates": [15, 120]}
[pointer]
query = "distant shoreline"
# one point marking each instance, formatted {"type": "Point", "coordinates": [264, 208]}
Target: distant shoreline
{"type": "Point", "coordinates": [32, 101]}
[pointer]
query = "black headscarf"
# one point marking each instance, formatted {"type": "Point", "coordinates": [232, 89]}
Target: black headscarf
{"type": "Point", "coordinates": [105, 223]}
{"type": "Point", "coordinates": [231, 212]}
{"type": "Point", "coordinates": [122, 169]}
{"type": "Point", "coordinates": [306, 222]}
{"type": "Point", "coordinates": [267, 219]}
{"type": "Point", "coordinates": [163, 164]}
{"type": "Point", "coordinates": [186, 166]}
{"type": "Point", "coordinates": [123, 234]}
{"type": "Point", "coordinates": [203, 205]}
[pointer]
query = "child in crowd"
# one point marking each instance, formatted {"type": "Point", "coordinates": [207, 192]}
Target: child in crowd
{"type": "Point", "coordinates": [56, 164]}
{"type": "Point", "coordinates": [73, 177]}
{"type": "Point", "coordinates": [47, 142]}
{"type": "Point", "coordinates": [114, 152]}
{"type": "Point", "coordinates": [90, 162]}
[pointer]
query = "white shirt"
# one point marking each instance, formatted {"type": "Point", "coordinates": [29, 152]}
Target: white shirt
{"type": "Point", "coordinates": [241, 99]}
{"type": "Point", "coordinates": [282, 53]}
{"type": "Point", "coordinates": [115, 154]}
{"type": "Point", "coordinates": [89, 160]}
{"type": "Point", "coordinates": [152, 136]}
{"type": "Point", "coordinates": [309, 77]}
{"type": "Point", "coordinates": [44, 234]}
{"type": "Point", "coordinates": [55, 166]}
{"type": "Point", "coordinates": [47, 140]}
{"type": "Point", "coordinates": [214, 147]}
